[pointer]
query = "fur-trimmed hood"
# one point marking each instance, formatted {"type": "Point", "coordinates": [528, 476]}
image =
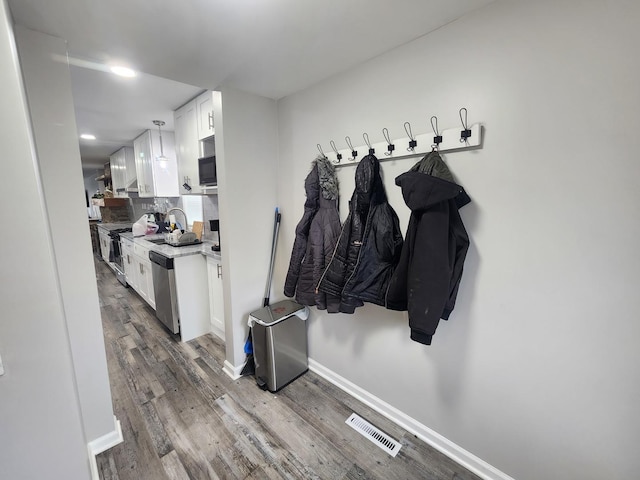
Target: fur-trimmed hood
{"type": "Point", "coordinates": [327, 178]}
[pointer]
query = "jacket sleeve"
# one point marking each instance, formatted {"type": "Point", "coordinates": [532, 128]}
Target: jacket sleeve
{"type": "Point", "coordinates": [297, 254]}
{"type": "Point", "coordinates": [330, 239]}
{"type": "Point", "coordinates": [461, 241]}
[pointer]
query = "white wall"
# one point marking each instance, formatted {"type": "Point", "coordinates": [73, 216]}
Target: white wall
{"type": "Point", "coordinates": [48, 88]}
{"type": "Point", "coordinates": [247, 160]}
{"type": "Point", "coordinates": [536, 370]}
{"type": "Point", "coordinates": [40, 423]}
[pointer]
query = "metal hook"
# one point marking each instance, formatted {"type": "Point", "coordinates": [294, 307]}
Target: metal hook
{"type": "Point", "coordinates": [390, 146]}
{"type": "Point", "coordinates": [437, 140]}
{"type": "Point", "coordinates": [412, 141]}
{"type": "Point", "coordinates": [354, 153]}
{"type": "Point", "coordinates": [366, 140]}
{"type": "Point", "coordinates": [465, 133]}
{"type": "Point", "coordinates": [333, 146]}
{"type": "Point", "coordinates": [320, 150]}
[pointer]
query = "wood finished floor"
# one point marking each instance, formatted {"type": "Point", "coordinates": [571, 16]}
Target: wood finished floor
{"type": "Point", "coordinates": [183, 418]}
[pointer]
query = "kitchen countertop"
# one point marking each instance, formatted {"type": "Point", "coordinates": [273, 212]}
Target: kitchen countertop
{"type": "Point", "coordinates": [203, 248]}
{"type": "Point", "coordinates": [113, 226]}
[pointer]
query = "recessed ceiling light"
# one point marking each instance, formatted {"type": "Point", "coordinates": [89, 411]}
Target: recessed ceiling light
{"type": "Point", "coordinates": [88, 136]}
{"type": "Point", "coordinates": [123, 71]}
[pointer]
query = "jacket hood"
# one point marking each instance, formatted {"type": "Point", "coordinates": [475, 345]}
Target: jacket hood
{"type": "Point", "coordinates": [433, 164]}
{"type": "Point", "coordinates": [422, 191]}
{"type": "Point", "coordinates": [322, 180]}
{"type": "Point", "coordinates": [369, 187]}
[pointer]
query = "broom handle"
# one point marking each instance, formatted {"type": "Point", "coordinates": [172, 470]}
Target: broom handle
{"type": "Point", "coordinates": [276, 228]}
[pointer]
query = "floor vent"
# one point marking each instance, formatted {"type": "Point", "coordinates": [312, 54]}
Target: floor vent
{"type": "Point", "coordinates": [374, 434]}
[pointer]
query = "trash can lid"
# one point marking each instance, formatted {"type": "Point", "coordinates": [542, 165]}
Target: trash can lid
{"type": "Point", "coordinates": [272, 314]}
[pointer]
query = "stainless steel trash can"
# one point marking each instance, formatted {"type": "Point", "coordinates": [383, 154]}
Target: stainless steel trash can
{"type": "Point", "coordinates": [279, 337]}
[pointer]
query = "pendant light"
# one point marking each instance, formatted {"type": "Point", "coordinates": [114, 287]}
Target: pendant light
{"type": "Point", "coordinates": [162, 160]}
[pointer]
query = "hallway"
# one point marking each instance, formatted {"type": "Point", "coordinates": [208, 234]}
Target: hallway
{"type": "Point", "coordinates": [183, 418]}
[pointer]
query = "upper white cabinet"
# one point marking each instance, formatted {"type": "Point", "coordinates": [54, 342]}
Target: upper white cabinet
{"type": "Point", "coordinates": [123, 172]}
{"type": "Point", "coordinates": [156, 177]}
{"type": "Point", "coordinates": [194, 129]}
{"type": "Point", "coordinates": [131, 174]}
{"type": "Point", "coordinates": [204, 107]}
{"type": "Point", "coordinates": [185, 123]}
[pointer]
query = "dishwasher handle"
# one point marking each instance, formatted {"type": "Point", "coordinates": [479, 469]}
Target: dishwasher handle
{"type": "Point", "coordinates": [159, 259]}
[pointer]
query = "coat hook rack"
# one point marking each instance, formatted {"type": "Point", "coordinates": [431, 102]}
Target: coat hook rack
{"type": "Point", "coordinates": [412, 141]}
{"type": "Point", "coordinates": [390, 146]}
{"type": "Point", "coordinates": [372, 151]}
{"type": "Point", "coordinates": [410, 146]}
{"type": "Point", "coordinates": [354, 153]}
{"type": "Point", "coordinates": [333, 147]}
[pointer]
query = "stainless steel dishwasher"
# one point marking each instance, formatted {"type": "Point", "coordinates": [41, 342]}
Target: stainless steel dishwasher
{"type": "Point", "coordinates": [164, 286]}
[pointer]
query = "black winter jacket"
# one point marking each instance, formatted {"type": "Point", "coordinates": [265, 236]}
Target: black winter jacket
{"type": "Point", "coordinates": [369, 246]}
{"type": "Point", "coordinates": [316, 237]}
{"type": "Point", "coordinates": [428, 275]}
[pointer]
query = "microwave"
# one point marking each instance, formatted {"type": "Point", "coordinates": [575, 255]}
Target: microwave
{"type": "Point", "coordinates": [207, 171]}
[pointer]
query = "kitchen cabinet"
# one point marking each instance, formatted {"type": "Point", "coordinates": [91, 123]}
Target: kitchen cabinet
{"type": "Point", "coordinates": [123, 172]}
{"type": "Point", "coordinates": [193, 123]}
{"type": "Point", "coordinates": [156, 178]}
{"type": "Point", "coordinates": [129, 263]}
{"type": "Point", "coordinates": [146, 282]}
{"type": "Point", "coordinates": [216, 296]}
{"type": "Point", "coordinates": [105, 244]}
{"type": "Point", "coordinates": [137, 268]}
{"type": "Point", "coordinates": [187, 147]}
{"type": "Point", "coordinates": [204, 110]}
{"type": "Point", "coordinates": [142, 265]}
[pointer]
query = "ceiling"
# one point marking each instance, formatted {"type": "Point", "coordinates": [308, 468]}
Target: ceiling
{"type": "Point", "coordinates": [268, 47]}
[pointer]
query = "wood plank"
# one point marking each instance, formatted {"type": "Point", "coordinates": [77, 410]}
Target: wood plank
{"type": "Point", "coordinates": [192, 458]}
{"type": "Point", "coordinates": [135, 458]}
{"type": "Point", "coordinates": [155, 428]}
{"type": "Point", "coordinates": [173, 466]}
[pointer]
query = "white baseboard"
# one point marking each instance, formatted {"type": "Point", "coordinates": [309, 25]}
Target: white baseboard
{"type": "Point", "coordinates": [103, 443]}
{"type": "Point", "coordinates": [233, 372]}
{"type": "Point", "coordinates": [437, 441]}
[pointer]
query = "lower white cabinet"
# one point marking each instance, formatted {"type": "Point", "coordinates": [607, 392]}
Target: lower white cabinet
{"type": "Point", "coordinates": [137, 268]}
{"type": "Point", "coordinates": [128, 262]}
{"type": "Point", "coordinates": [105, 244]}
{"type": "Point", "coordinates": [216, 297]}
{"type": "Point", "coordinates": [146, 282]}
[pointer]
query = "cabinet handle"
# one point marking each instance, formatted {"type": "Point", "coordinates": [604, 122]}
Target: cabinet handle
{"type": "Point", "coordinates": [210, 121]}
{"type": "Point", "coordinates": [141, 270]}
{"type": "Point", "coordinates": [128, 259]}
{"type": "Point", "coordinates": [219, 270]}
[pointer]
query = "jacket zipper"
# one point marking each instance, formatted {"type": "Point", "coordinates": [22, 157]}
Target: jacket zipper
{"type": "Point", "coordinates": [335, 249]}
{"type": "Point", "coordinates": [360, 244]}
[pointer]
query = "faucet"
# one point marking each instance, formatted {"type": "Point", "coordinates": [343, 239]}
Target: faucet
{"type": "Point", "coordinates": [186, 223]}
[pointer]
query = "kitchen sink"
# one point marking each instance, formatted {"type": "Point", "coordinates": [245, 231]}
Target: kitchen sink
{"type": "Point", "coordinates": [161, 241]}
{"type": "Point", "coordinates": [157, 241]}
